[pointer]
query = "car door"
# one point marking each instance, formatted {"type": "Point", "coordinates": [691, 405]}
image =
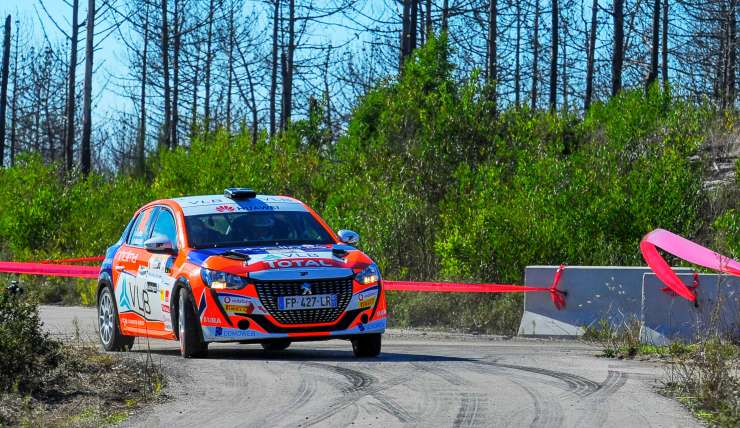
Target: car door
{"type": "Point", "coordinates": [159, 282]}
{"type": "Point", "coordinates": [130, 267]}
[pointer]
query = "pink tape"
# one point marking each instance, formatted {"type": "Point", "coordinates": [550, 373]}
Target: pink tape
{"type": "Point", "coordinates": [70, 271]}
{"type": "Point", "coordinates": [557, 296]}
{"type": "Point", "coordinates": [686, 250]}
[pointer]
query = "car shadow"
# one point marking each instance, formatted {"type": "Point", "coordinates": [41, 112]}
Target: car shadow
{"type": "Point", "coordinates": [251, 353]}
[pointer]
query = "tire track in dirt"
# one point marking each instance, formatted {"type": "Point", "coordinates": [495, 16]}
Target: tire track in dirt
{"type": "Point", "coordinates": [597, 402]}
{"type": "Point", "coordinates": [577, 385]}
{"type": "Point", "coordinates": [361, 385]}
{"type": "Point", "coordinates": [472, 404]}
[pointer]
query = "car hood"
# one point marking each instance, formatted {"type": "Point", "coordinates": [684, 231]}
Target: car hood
{"type": "Point", "coordinates": [245, 260]}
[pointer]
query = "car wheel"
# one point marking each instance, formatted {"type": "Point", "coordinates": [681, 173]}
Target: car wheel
{"type": "Point", "coordinates": [190, 333]}
{"type": "Point", "coordinates": [367, 345]}
{"type": "Point", "coordinates": [278, 345]}
{"type": "Point", "coordinates": [108, 327]}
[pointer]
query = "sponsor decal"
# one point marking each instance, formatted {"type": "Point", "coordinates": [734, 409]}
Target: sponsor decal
{"type": "Point", "coordinates": [225, 208]}
{"type": "Point", "coordinates": [151, 287]}
{"type": "Point", "coordinates": [133, 298]}
{"type": "Point", "coordinates": [236, 300]}
{"type": "Point", "coordinates": [246, 309]}
{"type": "Point", "coordinates": [134, 323]}
{"type": "Point", "coordinates": [166, 309]}
{"type": "Point", "coordinates": [164, 296]}
{"type": "Point", "coordinates": [211, 320]}
{"type": "Point", "coordinates": [195, 202]}
{"type": "Point", "coordinates": [168, 264]}
{"type": "Point", "coordinates": [128, 256]}
{"type": "Point", "coordinates": [221, 332]}
{"type": "Point", "coordinates": [380, 313]}
{"type": "Point", "coordinates": [367, 302]}
{"type": "Point", "coordinates": [291, 263]}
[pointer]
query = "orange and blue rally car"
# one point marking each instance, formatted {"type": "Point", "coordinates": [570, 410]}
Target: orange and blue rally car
{"type": "Point", "coordinates": [242, 268]}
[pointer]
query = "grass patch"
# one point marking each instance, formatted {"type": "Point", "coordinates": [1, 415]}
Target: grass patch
{"type": "Point", "coordinates": [703, 376]}
{"type": "Point", "coordinates": [46, 382]}
{"type": "Point", "coordinates": [707, 381]}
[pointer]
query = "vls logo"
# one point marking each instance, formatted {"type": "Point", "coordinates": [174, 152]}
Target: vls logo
{"type": "Point", "coordinates": [306, 287]}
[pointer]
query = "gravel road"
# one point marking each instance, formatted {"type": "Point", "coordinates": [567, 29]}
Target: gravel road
{"type": "Point", "coordinates": [420, 379]}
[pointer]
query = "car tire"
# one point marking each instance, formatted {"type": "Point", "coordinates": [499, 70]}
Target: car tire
{"type": "Point", "coordinates": [109, 330]}
{"type": "Point", "coordinates": [192, 344]}
{"type": "Point", "coordinates": [367, 345]}
{"type": "Point", "coordinates": [278, 345]}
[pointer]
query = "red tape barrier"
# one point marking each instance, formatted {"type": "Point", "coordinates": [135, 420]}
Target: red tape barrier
{"type": "Point", "coordinates": [557, 296]}
{"type": "Point", "coordinates": [70, 271]}
{"type": "Point", "coordinates": [686, 250]}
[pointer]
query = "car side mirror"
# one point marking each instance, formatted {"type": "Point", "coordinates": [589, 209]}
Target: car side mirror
{"type": "Point", "coordinates": [348, 237]}
{"type": "Point", "coordinates": [159, 244]}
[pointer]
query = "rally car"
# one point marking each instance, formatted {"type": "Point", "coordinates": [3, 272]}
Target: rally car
{"type": "Point", "coordinates": [241, 267]}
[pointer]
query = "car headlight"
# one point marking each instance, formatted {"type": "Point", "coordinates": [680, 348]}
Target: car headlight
{"type": "Point", "coordinates": [222, 280]}
{"type": "Point", "coordinates": [370, 275]}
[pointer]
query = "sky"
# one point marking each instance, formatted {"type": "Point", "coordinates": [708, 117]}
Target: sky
{"type": "Point", "coordinates": [110, 58]}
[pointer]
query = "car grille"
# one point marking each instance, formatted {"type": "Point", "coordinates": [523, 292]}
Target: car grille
{"type": "Point", "coordinates": [269, 291]}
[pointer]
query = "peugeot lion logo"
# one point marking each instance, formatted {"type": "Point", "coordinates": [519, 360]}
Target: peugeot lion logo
{"type": "Point", "coordinates": [306, 287]}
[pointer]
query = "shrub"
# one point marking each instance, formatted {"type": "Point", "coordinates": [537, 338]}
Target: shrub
{"type": "Point", "coordinates": [27, 353]}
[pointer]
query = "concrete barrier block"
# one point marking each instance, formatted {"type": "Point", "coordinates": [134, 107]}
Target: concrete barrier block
{"type": "Point", "coordinates": [610, 293]}
{"type": "Point", "coordinates": [667, 317]}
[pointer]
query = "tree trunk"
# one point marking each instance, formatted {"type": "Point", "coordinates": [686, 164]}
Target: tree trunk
{"type": "Point", "coordinates": [422, 24]}
{"type": "Point", "coordinates": [209, 59]}
{"type": "Point", "coordinates": [14, 105]}
{"type": "Point", "coordinates": [564, 69]}
{"type": "Point", "coordinates": [164, 139]}
{"type": "Point", "coordinates": [194, 105]}
{"type": "Point", "coordinates": [288, 72]}
{"type": "Point", "coordinates": [618, 52]}
{"type": "Point", "coordinates": [555, 41]}
{"type": "Point", "coordinates": [72, 82]}
{"type": "Point", "coordinates": [230, 68]}
{"type": "Point", "coordinates": [730, 75]}
{"type": "Point", "coordinates": [655, 46]}
{"type": "Point", "coordinates": [85, 156]}
{"type": "Point", "coordinates": [413, 24]}
{"type": "Point", "coordinates": [445, 15]}
{"type": "Point", "coordinates": [176, 75]}
{"type": "Point", "coordinates": [492, 51]}
{"type": "Point", "coordinates": [428, 24]}
{"type": "Point", "coordinates": [273, 75]}
{"type": "Point", "coordinates": [591, 56]}
{"type": "Point", "coordinates": [535, 54]}
{"type": "Point", "coordinates": [517, 56]}
{"type": "Point", "coordinates": [252, 103]}
{"type": "Point", "coordinates": [405, 34]}
{"type": "Point", "coordinates": [141, 138]}
{"type": "Point", "coordinates": [4, 88]}
{"type": "Point", "coordinates": [664, 49]}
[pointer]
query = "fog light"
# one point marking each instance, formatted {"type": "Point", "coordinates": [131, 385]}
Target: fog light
{"type": "Point", "coordinates": [364, 319]}
{"type": "Point", "coordinates": [243, 324]}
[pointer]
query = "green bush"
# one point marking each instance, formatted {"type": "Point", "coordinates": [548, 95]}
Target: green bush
{"type": "Point", "coordinates": [27, 353]}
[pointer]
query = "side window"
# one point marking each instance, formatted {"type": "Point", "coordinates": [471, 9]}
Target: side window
{"type": "Point", "coordinates": [140, 231]}
{"type": "Point", "coordinates": [165, 225]}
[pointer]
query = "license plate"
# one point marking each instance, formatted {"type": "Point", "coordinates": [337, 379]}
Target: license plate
{"type": "Point", "coordinates": [315, 301]}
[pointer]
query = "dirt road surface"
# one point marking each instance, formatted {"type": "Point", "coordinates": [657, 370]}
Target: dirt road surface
{"type": "Point", "coordinates": [420, 379]}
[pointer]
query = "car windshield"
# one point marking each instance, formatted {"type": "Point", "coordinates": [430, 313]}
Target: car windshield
{"type": "Point", "coordinates": [256, 229]}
